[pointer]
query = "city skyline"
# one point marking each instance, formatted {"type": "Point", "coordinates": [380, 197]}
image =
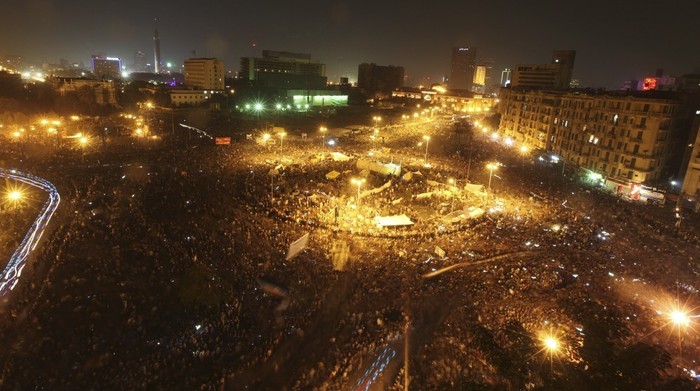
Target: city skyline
{"type": "Point", "coordinates": [614, 42]}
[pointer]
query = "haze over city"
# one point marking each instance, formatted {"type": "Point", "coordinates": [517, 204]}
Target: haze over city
{"type": "Point", "coordinates": [615, 41]}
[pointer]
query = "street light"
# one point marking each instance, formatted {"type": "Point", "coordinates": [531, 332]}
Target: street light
{"type": "Point", "coordinates": [376, 119]}
{"type": "Point", "coordinates": [358, 182]}
{"type": "Point", "coordinates": [491, 167]}
{"type": "Point", "coordinates": [523, 152]}
{"type": "Point", "coordinates": [323, 131]}
{"type": "Point", "coordinates": [427, 141]}
{"type": "Point", "coordinates": [452, 182]}
{"type": "Point", "coordinates": [282, 134]}
{"type": "Point", "coordinates": [14, 196]}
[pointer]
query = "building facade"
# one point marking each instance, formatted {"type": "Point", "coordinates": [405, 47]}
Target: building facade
{"type": "Point", "coordinates": [284, 70]}
{"type": "Point", "coordinates": [373, 78]}
{"type": "Point", "coordinates": [107, 68]}
{"type": "Point", "coordinates": [204, 73]}
{"type": "Point", "coordinates": [625, 138]}
{"type": "Point", "coordinates": [104, 91]}
{"type": "Point", "coordinates": [556, 75]}
{"type": "Point", "coordinates": [691, 179]}
{"type": "Point", "coordinates": [462, 68]}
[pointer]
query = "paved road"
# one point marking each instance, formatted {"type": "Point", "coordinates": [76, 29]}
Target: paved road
{"type": "Point", "coordinates": [13, 270]}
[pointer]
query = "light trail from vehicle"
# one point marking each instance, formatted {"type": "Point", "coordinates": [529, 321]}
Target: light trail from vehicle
{"type": "Point", "coordinates": [13, 270]}
{"type": "Point", "coordinates": [375, 369]}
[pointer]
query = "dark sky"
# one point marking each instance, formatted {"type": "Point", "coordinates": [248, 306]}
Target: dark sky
{"type": "Point", "coordinates": [615, 40]}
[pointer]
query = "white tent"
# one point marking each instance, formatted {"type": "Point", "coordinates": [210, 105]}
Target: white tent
{"type": "Point", "coordinates": [475, 189]}
{"type": "Point", "coordinates": [339, 157]}
{"type": "Point", "coordinates": [393, 221]}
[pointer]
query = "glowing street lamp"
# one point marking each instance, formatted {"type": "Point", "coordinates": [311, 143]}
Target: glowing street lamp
{"type": "Point", "coordinates": [427, 141]}
{"type": "Point", "coordinates": [523, 152]}
{"type": "Point", "coordinates": [358, 182]}
{"type": "Point", "coordinates": [679, 318]}
{"type": "Point", "coordinates": [282, 134]}
{"type": "Point", "coordinates": [376, 120]}
{"type": "Point", "coordinates": [491, 167]}
{"type": "Point", "coordinates": [14, 196]}
{"type": "Point", "coordinates": [83, 141]}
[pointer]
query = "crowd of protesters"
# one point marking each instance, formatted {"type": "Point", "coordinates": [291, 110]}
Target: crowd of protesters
{"type": "Point", "coordinates": [166, 269]}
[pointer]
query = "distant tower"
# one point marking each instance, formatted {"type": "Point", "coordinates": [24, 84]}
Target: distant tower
{"type": "Point", "coordinates": [463, 68]}
{"type": "Point", "coordinates": [156, 50]}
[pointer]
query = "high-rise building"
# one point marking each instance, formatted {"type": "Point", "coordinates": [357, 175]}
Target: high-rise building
{"type": "Point", "coordinates": [565, 60]}
{"type": "Point", "coordinates": [373, 78]}
{"type": "Point", "coordinates": [479, 81]}
{"type": "Point", "coordinates": [625, 138]}
{"type": "Point", "coordinates": [556, 75]}
{"type": "Point", "coordinates": [157, 65]}
{"type": "Point", "coordinates": [140, 63]}
{"type": "Point", "coordinates": [204, 73]}
{"type": "Point", "coordinates": [108, 68]}
{"type": "Point", "coordinates": [462, 68]}
{"type": "Point", "coordinates": [506, 76]}
{"type": "Point", "coordinates": [284, 70]}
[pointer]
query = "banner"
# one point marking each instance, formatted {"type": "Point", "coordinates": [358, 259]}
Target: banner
{"type": "Point", "coordinates": [339, 254]}
{"type": "Point", "coordinates": [222, 140]}
{"type": "Point", "coordinates": [298, 246]}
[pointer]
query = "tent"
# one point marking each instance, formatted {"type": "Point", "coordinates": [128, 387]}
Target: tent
{"type": "Point", "coordinates": [332, 175]}
{"type": "Point", "coordinates": [393, 221]}
{"type": "Point", "coordinates": [475, 189]}
{"type": "Point", "coordinates": [339, 157]}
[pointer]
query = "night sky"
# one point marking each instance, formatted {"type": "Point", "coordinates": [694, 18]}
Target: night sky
{"type": "Point", "coordinates": [615, 40]}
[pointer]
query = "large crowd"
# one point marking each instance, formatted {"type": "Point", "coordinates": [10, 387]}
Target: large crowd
{"type": "Point", "coordinates": [165, 269]}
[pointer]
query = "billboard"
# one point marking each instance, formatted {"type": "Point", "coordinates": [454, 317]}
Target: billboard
{"type": "Point", "coordinates": [222, 140]}
{"type": "Point", "coordinates": [649, 83]}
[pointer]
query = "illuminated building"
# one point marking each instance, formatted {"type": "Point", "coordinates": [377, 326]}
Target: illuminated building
{"type": "Point", "coordinates": [465, 103]}
{"type": "Point", "coordinates": [373, 78]}
{"type": "Point", "coordinates": [479, 81]}
{"type": "Point", "coordinates": [506, 76]}
{"type": "Point", "coordinates": [107, 68]}
{"type": "Point", "coordinates": [627, 138]}
{"type": "Point", "coordinates": [180, 97]}
{"type": "Point", "coordinates": [462, 68]}
{"type": "Point", "coordinates": [556, 75]}
{"type": "Point", "coordinates": [284, 70]}
{"type": "Point", "coordinates": [691, 179]}
{"type": "Point", "coordinates": [204, 73]}
{"type": "Point", "coordinates": [104, 92]}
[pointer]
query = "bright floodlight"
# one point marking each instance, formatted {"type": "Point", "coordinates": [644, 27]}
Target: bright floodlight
{"type": "Point", "coordinates": [266, 136]}
{"type": "Point", "coordinates": [551, 344]}
{"type": "Point", "coordinates": [492, 166]}
{"type": "Point", "coordinates": [258, 107]}
{"type": "Point", "coordinates": [14, 195]}
{"type": "Point", "coordinates": [83, 141]}
{"type": "Point", "coordinates": [523, 149]}
{"type": "Point", "coordinates": [679, 318]}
